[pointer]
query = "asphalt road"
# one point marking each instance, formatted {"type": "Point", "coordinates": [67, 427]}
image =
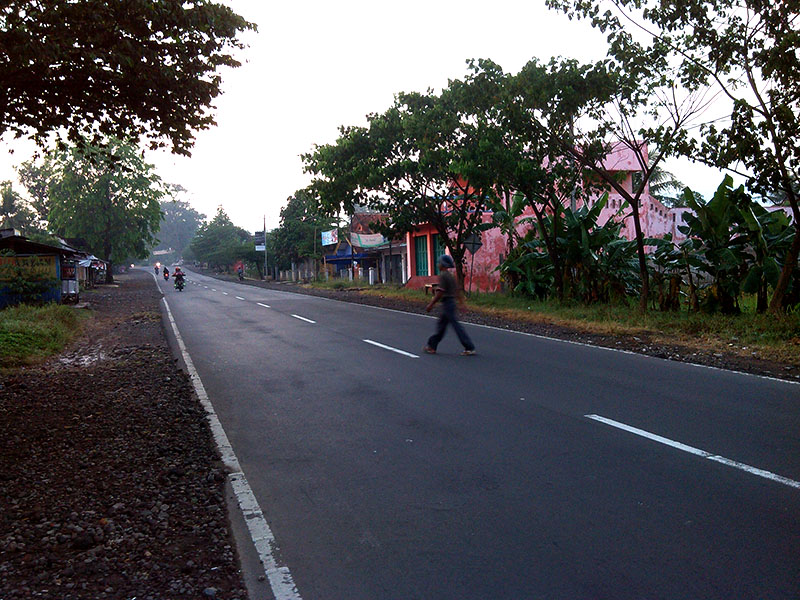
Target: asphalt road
{"type": "Point", "coordinates": [523, 472]}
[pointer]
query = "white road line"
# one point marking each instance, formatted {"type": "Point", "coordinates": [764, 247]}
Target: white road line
{"type": "Point", "coordinates": [403, 352]}
{"type": "Point", "coordinates": [205, 286]}
{"type": "Point", "coordinates": [697, 451]}
{"type": "Point", "coordinates": [303, 319]}
{"type": "Point", "coordinates": [213, 289]}
{"type": "Point", "coordinates": [264, 305]}
{"type": "Point", "coordinates": [225, 293]}
{"type": "Point", "coordinates": [279, 577]}
{"type": "Point", "coordinates": [238, 297]}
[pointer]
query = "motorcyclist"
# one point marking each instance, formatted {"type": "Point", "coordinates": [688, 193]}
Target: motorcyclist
{"type": "Point", "coordinates": [166, 273]}
{"type": "Point", "coordinates": [156, 269]}
{"type": "Point", "coordinates": [178, 276]}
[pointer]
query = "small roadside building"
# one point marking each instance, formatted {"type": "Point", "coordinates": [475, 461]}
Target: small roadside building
{"type": "Point", "coordinates": [52, 269]}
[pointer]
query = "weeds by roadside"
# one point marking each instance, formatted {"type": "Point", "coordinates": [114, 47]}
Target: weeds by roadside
{"type": "Point", "coordinates": [30, 333]}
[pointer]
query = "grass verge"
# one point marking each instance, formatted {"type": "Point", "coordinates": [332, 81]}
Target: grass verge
{"type": "Point", "coordinates": [30, 333]}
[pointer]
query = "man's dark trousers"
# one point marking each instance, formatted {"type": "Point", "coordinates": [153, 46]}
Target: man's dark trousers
{"type": "Point", "coordinates": [448, 315]}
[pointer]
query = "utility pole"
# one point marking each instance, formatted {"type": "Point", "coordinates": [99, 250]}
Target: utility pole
{"type": "Point", "coordinates": [265, 248]}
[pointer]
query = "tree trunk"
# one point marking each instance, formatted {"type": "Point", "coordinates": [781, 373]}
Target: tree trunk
{"type": "Point", "coordinates": [776, 304]}
{"type": "Point", "coordinates": [645, 293]}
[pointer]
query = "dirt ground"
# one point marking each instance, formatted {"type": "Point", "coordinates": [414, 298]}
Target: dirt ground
{"type": "Point", "coordinates": [110, 482]}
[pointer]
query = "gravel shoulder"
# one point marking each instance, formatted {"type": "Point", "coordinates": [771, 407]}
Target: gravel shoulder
{"type": "Point", "coordinates": [111, 483]}
{"type": "Point", "coordinates": [661, 346]}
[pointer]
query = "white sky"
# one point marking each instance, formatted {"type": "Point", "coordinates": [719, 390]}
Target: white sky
{"type": "Point", "coordinates": [315, 65]}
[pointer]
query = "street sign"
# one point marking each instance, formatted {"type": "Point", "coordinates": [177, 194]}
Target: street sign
{"type": "Point", "coordinates": [259, 240]}
{"type": "Point", "coordinates": [473, 243]}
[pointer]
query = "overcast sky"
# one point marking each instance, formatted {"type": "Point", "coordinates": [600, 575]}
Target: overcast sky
{"type": "Point", "coordinates": [315, 65]}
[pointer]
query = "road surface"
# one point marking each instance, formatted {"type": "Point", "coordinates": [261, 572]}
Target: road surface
{"type": "Point", "coordinates": [536, 469]}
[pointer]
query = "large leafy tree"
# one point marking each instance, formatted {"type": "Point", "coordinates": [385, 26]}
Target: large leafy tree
{"type": "Point", "coordinates": [100, 68]}
{"type": "Point", "coordinates": [14, 211]}
{"type": "Point", "coordinates": [526, 155]}
{"type": "Point", "coordinates": [37, 175]}
{"type": "Point", "coordinates": [179, 221]}
{"type": "Point", "coordinates": [421, 161]}
{"type": "Point", "coordinates": [300, 223]}
{"type": "Point", "coordinates": [108, 197]}
{"type": "Point", "coordinates": [219, 242]}
{"type": "Point", "coordinates": [745, 51]}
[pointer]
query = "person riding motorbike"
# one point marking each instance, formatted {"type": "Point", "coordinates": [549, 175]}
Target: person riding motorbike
{"type": "Point", "coordinates": [166, 273]}
{"type": "Point", "coordinates": [156, 269]}
{"type": "Point", "coordinates": [178, 276]}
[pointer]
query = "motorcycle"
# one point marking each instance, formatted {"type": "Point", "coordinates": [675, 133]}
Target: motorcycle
{"type": "Point", "coordinates": [166, 275]}
{"type": "Point", "coordinates": [179, 284]}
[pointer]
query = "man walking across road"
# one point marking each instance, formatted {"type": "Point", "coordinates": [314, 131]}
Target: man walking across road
{"type": "Point", "coordinates": [447, 292]}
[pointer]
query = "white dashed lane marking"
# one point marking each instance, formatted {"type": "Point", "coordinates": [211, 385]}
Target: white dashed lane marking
{"type": "Point", "coordinates": [403, 352]}
{"type": "Point", "coordinates": [697, 451]}
{"type": "Point", "coordinates": [303, 319]}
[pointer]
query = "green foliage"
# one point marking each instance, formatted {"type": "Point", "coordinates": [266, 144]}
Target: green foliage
{"type": "Point", "coordinates": [297, 237]}
{"type": "Point", "coordinates": [599, 264]}
{"type": "Point", "coordinates": [736, 242]}
{"type": "Point", "coordinates": [97, 69]}
{"type": "Point", "coordinates": [179, 222]}
{"type": "Point", "coordinates": [37, 175]}
{"type": "Point", "coordinates": [421, 161]}
{"type": "Point", "coordinates": [745, 51]}
{"type": "Point", "coordinates": [220, 243]}
{"type": "Point", "coordinates": [15, 212]}
{"type": "Point", "coordinates": [30, 332]}
{"type": "Point", "coordinates": [108, 197]}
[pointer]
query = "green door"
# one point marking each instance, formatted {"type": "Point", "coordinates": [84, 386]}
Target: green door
{"type": "Point", "coordinates": [421, 254]}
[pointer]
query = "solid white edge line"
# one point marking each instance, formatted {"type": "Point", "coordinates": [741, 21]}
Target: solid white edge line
{"type": "Point", "coordinates": [303, 319]}
{"type": "Point", "coordinates": [264, 305]}
{"type": "Point", "coordinates": [403, 352]}
{"type": "Point", "coordinates": [697, 452]}
{"type": "Point", "coordinates": [279, 577]}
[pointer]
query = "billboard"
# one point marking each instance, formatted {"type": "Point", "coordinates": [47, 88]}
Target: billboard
{"type": "Point", "coordinates": [330, 237]}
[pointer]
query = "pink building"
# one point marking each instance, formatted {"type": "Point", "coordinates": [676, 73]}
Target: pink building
{"type": "Point", "coordinates": [423, 245]}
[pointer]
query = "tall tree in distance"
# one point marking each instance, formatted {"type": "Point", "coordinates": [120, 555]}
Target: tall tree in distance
{"type": "Point", "coordinates": [179, 221]}
{"type": "Point", "coordinates": [36, 175]}
{"type": "Point", "coordinates": [219, 242]}
{"type": "Point", "coordinates": [98, 69]}
{"type": "Point", "coordinates": [109, 198]}
{"type": "Point", "coordinates": [14, 211]}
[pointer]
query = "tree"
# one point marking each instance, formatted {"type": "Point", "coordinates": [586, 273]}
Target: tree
{"type": "Point", "coordinates": [530, 165]}
{"type": "Point", "coordinates": [109, 198]}
{"type": "Point", "coordinates": [36, 175]}
{"type": "Point", "coordinates": [746, 51]}
{"type": "Point", "coordinates": [98, 69]}
{"type": "Point", "coordinates": [300, 222]}
{"type": "Point", "coordinates": [418, 162]}
{"type": "Point", "coordinates": [14, 212]}
{"type": "Point", "coordinates": [219, 242]}
{"type": "Point", "coordinates": [179, 222]}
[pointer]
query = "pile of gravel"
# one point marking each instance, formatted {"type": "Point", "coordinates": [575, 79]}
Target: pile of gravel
{"type": "Point", "coordinates": [111, 486]}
